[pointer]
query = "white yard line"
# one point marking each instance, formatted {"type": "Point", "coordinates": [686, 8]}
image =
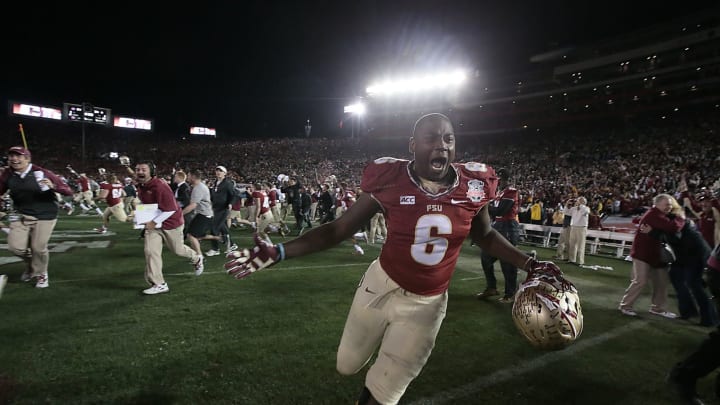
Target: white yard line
{"type": "Point", "coordinates": [190, 271]}
{"type": "Point", "coordinates": [518, 370]}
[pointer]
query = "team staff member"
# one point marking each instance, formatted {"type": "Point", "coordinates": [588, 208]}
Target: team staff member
{"type": "Point", "coordinates": [32, 189]}
{"type": "Point", "coordinates": [112, 192]}
{"type": "Point", "coordinates": [167, 227]}
{"type": "Point", "coordinates": [222, 196]}
{"type": "Point", "coordinates": [431, 205]}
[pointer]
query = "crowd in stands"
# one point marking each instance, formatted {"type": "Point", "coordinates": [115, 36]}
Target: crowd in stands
{"type": "Point", "coordinates": [618, 171]}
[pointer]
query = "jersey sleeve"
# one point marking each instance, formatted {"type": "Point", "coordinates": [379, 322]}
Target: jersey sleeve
{"type": "Point", "coordinates": [483, 173]}
{"type": "Point", "coordinates": [381, 174]}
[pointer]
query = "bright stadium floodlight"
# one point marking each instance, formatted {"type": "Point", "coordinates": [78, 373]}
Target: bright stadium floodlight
{"type": "Point", "coordinates": [357, 109]}
{"type": "Point", "coordinates": [438, 81]}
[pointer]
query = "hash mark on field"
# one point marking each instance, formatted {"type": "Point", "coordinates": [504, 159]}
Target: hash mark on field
{"type": "Point", "coordinates": [514, 371]}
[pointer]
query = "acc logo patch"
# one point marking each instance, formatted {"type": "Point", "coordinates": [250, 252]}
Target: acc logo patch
{"type": "Point", "coordinates": [476, 190]}
{"type": "Point", "coordinates": [407, 200]}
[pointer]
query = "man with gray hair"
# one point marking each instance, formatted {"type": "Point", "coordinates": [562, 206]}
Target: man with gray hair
{"type": "Point", "coordinates": [578, 231]}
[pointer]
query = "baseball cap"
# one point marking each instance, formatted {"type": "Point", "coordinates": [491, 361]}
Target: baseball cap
{"type": "Point", "coordinates": [221, 168]}
{"type": "Point", "coordinates": [19, 150]}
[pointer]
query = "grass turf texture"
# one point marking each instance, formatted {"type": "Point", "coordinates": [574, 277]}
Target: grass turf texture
{"type": "Point", "coordinates": [271, 338]}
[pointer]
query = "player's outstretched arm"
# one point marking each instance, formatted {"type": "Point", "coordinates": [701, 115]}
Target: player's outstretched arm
{"type": "Point", "coordinates": [491, 242]}
{"type": "Point", "coordinates": [247, 261]}
{"type": "Point", "coordinates": [330, 234]}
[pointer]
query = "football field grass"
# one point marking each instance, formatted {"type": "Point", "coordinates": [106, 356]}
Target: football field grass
{"type": "Point", "coordinates": [92, 338]}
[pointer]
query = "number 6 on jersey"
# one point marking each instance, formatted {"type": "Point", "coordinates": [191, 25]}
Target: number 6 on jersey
{"type": "Point", "coordinates": [429, 249]}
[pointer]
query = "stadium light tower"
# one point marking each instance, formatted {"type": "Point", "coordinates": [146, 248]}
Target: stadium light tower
{"type": "Point", "coordinates": [418, 84]}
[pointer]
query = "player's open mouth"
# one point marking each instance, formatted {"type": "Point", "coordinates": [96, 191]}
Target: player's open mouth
{"type": "Point", "coordinates": [438, 163]}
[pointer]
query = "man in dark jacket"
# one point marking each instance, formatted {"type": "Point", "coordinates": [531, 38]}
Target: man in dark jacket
{"type": "Point", "coordinates": [222, 196]}
{"type": "Point", "coordinates": [706, 357]}
{"type": "Point", "coordinates": [32, 189]}
{"type": "Point", "coordinates": [304, 211]}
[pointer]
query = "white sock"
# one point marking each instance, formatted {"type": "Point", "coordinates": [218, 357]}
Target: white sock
{"type": "Point", "coordinates": [98, 211]}
{"type": "Point", "coordinates": [84, 207]}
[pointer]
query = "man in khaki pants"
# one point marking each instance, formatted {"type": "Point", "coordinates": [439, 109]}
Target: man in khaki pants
{"type": "Point", "coordinates": [645, 253]}
{"type": "Point", "coordinates": [580, 214]}
{"type": "Point", "coordinates": [32, 189]}
{"type": "Point", "coordinates": [166, 227]}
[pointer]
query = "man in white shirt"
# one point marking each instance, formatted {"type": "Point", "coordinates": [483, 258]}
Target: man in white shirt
{"type": "Point", "coordinates": [578, 231]}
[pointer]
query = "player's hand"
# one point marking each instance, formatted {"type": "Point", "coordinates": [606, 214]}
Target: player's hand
{"type": "Point", "coordinates": [550, 272]}
{"type": "Point", "coordinates": [150, 225]}
{"type": "Point", "coordinates": [244, 262]}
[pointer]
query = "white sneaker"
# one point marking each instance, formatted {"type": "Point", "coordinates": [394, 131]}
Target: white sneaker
{"type": "Point", "coordinates": [42, 281]}
{"type": "Point", "coordinates": [3, 282]}
{"type": "Point", "coordinates": [100, 230]}
{"type": "Point", "coordinates": [628, 312]}
{"type": "Point", "coordinates": [232, 248]}
{"type": "Point", "coordinates": [26, 276]}
{"type": "Point", "coordinates": [157, 289]}
{"type": "Point", "coordinates": [664, 314]}
{"type": "Point", "coordinates": [358, 250]}
{"type": "Point", "coordinates": [212, 252]}
{"type": "Point", "coordinates": [199, 265]}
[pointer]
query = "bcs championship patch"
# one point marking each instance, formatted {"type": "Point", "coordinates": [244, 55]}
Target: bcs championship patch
{"type": "Point", "coordinates": [476, 190]}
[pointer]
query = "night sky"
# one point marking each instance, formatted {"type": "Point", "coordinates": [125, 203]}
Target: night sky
{"type": "Point", "coordinates": [262, 68]}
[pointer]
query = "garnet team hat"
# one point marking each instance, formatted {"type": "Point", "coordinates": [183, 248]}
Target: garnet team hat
{"type": "Point", "coordinates": [19, 150]}
{"type": "Point", "coordinates": [221, 168]}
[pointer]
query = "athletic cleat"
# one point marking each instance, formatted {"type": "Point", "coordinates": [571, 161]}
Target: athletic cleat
{"type": "Point", "coordinates": [100, 230]}
{"type": "Point", "coordinates": [231, 248]}
{"type": "Point", "coordinates": [199, 265]}
{"type": "Point", "coordinates": [664, 314]}
{"type": "Point", "coordinates": [26, 276]}
{"type": "Point", "coordinates": [489, 292]}
{"type": "Point", "coordinates": [3, 282]}
{"type": "Point", "coordinates": [42, 281]}
{"type": "Point", "coordinates": [212, 252]}
{"type": "Point", "coordinates": [628, 312]}
{"type": "Point", "coordinates": [157, 289]}
{"type": "Point", "coordinates": [358, 250]}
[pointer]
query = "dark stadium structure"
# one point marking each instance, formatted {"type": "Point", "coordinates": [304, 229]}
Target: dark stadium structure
{"type": "Point", "coordinates": [654, 74]}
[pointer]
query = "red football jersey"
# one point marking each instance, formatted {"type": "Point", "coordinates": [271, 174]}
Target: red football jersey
{"type": "Point", "coordinates": [263, 206]}
{"type": "Point", "coordinates": [426, 231]}
{"type": "Point", "coordinates": [510, 193]}
{"type": "Point", "coordinates": [349, 198]}
{"type": "Point", "coordinates": [272, 197]}
{"type": "Point", "coordinates": [115, 193]}
{"type": "Point", "coordinates": [84, 183]}
{"type": "Point", "coordinates": [706, 224]}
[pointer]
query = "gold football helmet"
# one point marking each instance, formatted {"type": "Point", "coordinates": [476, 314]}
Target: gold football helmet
{"type": "Point", "coordinates": [547, 312]}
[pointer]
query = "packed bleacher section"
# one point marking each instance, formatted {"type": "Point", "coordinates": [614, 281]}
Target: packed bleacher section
{"type": "Point", "coordinates": [617, 170]}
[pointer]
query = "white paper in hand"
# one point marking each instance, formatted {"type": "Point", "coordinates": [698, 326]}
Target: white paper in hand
{"type": "Point", "coordinates": [145, 213]}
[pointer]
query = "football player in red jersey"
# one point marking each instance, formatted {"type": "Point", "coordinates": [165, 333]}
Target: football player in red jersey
{"type": "Point", "coordinates": [112, 192]}
{"type": "Point", "coordinates": [431, 205]}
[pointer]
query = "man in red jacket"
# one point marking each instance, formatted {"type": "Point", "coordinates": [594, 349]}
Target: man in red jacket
{"type": "Point", "coordinates": [32, 189]}
{"type": "Point", "coordinates": [166, 226]}
{"type": "Point", "coordinates": [645, 253]}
